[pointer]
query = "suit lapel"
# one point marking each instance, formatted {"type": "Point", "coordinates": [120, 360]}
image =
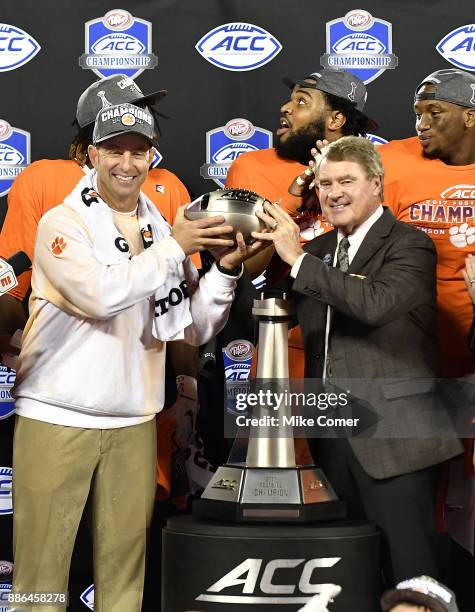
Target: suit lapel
{"type": "Point", "coordinates": [323, 247]}
{"type": "Point", "coordinates": [373, 241]}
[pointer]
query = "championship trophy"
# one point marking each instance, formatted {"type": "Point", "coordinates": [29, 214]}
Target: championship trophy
{"type": "Point", "coordinates": [268, 485]}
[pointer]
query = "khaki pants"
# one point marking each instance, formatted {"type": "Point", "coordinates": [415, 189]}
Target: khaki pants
{"type": "Point", "coordinates": [55, 469]}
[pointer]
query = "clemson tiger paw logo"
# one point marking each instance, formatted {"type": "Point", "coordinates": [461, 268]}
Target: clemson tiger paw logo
{"type": "Point", "coordinates": [314, 230]}
{"type": "Point", "coordinates": [58, 245]}
{"type": "Point", "coordinates": [462, 235]}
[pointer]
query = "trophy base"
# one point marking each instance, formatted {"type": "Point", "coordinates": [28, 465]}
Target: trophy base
{"type": "Point", "coordinates": [286, 495]}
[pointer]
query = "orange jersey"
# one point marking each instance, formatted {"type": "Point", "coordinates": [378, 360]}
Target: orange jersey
{"type": "Point", "coordinates": [440, 200]}
{"type": "Point", "coordinates": [45, 184]}
{"type": "Point", "coordinates": [270, 176]}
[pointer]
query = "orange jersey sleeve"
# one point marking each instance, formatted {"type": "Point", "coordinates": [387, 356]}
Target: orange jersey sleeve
{"type": "Point", "coordinates": [38, 188]}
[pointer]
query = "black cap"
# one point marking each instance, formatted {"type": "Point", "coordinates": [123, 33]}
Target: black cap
{"type": "Point", "coordinates": [341, 84]}
{"type": "Point", "coordinates": [450, 85]}
{"type": "Point", "coordinates": [116, 89]}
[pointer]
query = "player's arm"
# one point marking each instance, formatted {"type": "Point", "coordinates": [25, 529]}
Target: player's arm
{"type": "Point", "coordinates": [18, 234]}
{"type": "Point", "coordinates": [12, 317]}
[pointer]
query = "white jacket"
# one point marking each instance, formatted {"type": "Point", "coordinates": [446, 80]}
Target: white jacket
{"type": "Point", "coordinates": [88, 356]}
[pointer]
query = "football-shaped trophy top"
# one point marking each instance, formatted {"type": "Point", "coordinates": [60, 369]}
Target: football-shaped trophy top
{"type": "Point", "coordinates": [237, 206]}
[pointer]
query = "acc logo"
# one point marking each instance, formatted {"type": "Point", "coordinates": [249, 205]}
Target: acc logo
{"type": "Point", "coordinates": [237, 359]}
{"type": "Point", "coordinates": [361, 44]}
{"type": "Point", "coordinates": [377, 140]}
{"type": "Point", "coordinates": [14, 154]}
{"type": "Point", "coordinates": [238, 46]}
{"type": "Point", "coordinates": [6, 477]}
{"type": "Point", "coordinates": [226, 143]}
{"type": "Point", "coordinates": [7, 379]}
{"type": "Point", "coordinates": [458, 47]}
{"type": "Point", "coordinates": [459, 192]}
{"type": "Point", "coordinates": [87, 597]}
{"type": "Point", "coordinates": [246, 575]}
{"type": "Point", "coordinates": [5, 589]}
{"type": "Point", "coordinates": [118, 43]}
{"type": "Point", "coordinates": [16, 47]}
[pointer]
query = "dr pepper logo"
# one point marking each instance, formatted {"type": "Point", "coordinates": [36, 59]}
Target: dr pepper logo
{"type": "Point", "coordinates": [118, 43]}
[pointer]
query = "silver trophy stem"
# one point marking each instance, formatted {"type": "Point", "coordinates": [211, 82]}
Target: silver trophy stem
{"type": "Point", "coordinates": [276, 451]}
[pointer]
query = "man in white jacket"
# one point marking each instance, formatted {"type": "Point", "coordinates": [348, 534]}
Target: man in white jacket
{"type": "Point", "coordinates": [111, 284]}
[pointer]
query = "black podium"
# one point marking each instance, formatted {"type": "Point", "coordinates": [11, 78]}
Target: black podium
{"type": "Point", "coordinates": [212, 567]}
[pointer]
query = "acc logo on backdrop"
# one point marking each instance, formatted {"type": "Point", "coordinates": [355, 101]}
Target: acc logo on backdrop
{"type": "Point", "coordinates": [16, 47]}
{"type": "Point", "coordinates": [6, 477]}
{"type": "Point", "coordinates": [5, 589]}
{"type": "Point", "coordinates": [118, 43]}
{"type": "Point", "coordinates": [157, 158]}
{"type": "Point", "coordinates": [227, 142]}
{"type": "Point", "coordinates": [458, 47]}
{"type": "Point", "coordinates": [377, 140]}
{"type": "Point", "coordinates": [87, 597]}
{"type": "Point", "coordinates": [238, 46]}
{"type": "Point", "coordinates": [14, 154]}
{"type": "Point", "coordinates": [361, 44]}
{"type": "Point", "coordinates": [7, 406]}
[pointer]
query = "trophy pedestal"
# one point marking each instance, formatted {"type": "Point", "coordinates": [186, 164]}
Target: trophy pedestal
{"type": "Point", "coordinates": [252, 494]}
{"type": "Point", "coordinates": [266, 568]}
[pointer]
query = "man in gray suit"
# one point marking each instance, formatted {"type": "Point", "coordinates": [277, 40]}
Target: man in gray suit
{"type": "Point", "coordinates": [366, 303]}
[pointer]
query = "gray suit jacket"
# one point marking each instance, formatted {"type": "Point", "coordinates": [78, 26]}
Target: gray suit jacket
{"type": "Point", "coordinates": [383, 332]}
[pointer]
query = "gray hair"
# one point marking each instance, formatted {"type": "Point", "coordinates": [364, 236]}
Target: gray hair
{"type": "Point", "coordinates": [356, 149]}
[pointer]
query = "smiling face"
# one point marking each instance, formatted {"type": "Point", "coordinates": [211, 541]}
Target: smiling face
{"type": "Point", "coordinates": [122, 165]}
{"type": "Point", "coordinates": [441, 126]}
{"type": "Point", "coordinates": [347, 196]}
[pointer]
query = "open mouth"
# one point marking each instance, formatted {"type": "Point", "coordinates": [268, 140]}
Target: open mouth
{"type": "Point", "coordinates": [284, 126]}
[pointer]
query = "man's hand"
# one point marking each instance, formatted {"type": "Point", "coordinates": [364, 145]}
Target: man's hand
{"type": "Point", "coordinates": [193, 236]}
{"type": "Point", "coordinates": [285, 233]}
{"type": "Point", "coordinates": [232, 258]}
{"type": "Point", "coordinates": [306, 181]}
{"type": "Point", "coordinates": [469, 276]}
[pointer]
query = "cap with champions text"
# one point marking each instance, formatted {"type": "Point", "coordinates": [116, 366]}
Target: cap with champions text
{"type": "Point", "coordinates": [123, 119]}
{"type": "Point", "coordinates": [116, 89]}
{"type": "Point", "coordinates": [421, 591]}
{"type": "Point", "coordinates": [450, 85]}
{"type": "Point", "coordinates": [338, 83]}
